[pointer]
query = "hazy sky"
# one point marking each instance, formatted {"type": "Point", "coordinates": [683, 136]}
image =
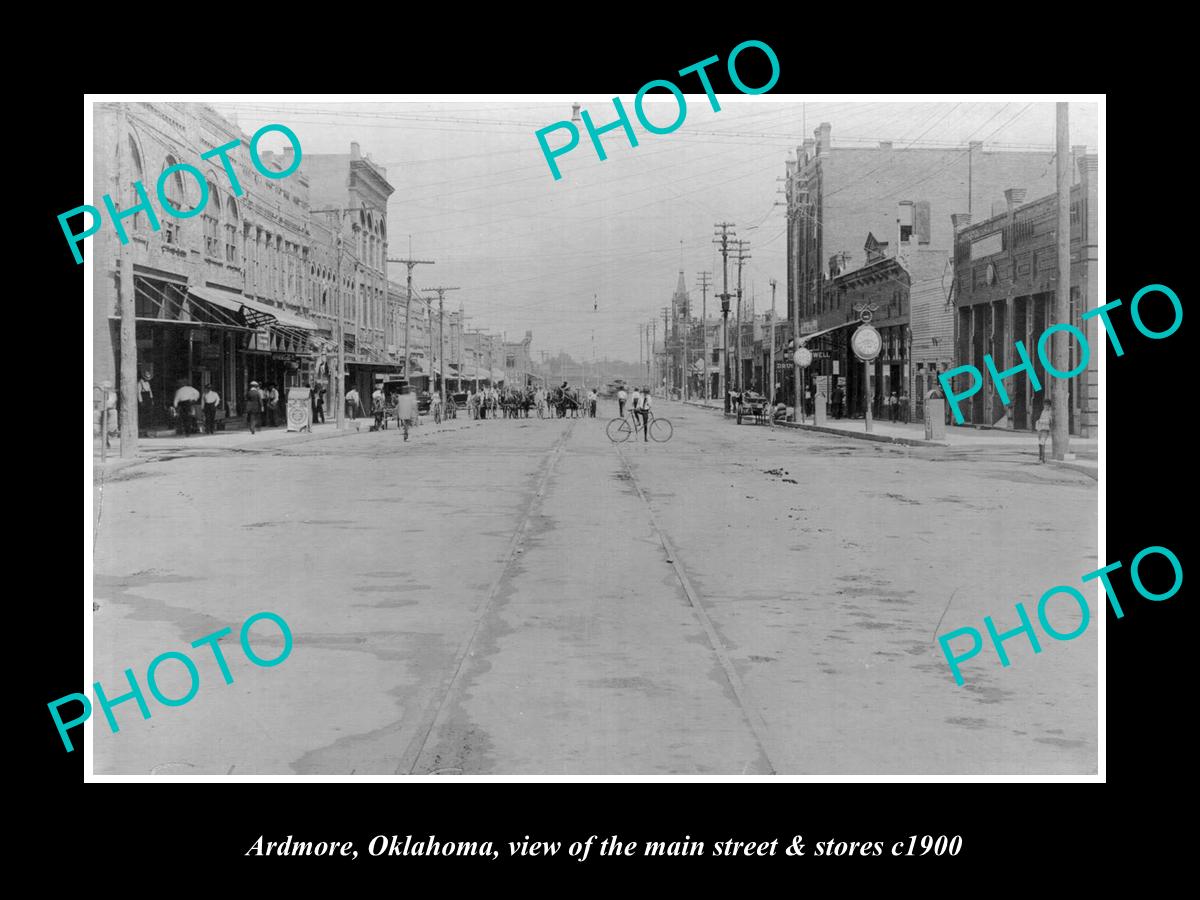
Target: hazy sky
{"type": "Point", "coordinates": [474, 192]}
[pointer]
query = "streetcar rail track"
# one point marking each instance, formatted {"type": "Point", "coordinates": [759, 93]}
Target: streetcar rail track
{"type": "Point", "coordinates": [435, 711]}
{"type": "Point", "coordinates": [753, 717]}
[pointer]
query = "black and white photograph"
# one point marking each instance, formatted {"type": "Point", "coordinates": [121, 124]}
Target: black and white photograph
{"type": "Point", "coordinates": [702, 433]}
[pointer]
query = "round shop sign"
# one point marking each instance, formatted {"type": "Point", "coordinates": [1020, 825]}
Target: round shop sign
{"type": "Point", "coordinates": [803, 357]}
{"type": "Point", "coordinates": [866, 342]}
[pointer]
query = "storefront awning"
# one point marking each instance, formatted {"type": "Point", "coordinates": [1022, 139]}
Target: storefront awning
{"type": "Point", "coordinates": [223, 299]}
{"type": "Point", "coordinates": [282, 316]}
{"type": "Point", "coordinates": [257, 310]}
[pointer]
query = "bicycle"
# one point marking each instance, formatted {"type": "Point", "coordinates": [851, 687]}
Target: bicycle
{"type": "Point", "coordinates": [620, 429]}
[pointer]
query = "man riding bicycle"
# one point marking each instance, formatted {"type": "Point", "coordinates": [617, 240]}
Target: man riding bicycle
{"type": "Point", "coordinates": [641, 410]}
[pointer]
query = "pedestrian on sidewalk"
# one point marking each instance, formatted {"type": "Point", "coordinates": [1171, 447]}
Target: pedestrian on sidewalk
{"type": "Point", "coordinates": [271, 398]}
{"type": "Point", "coordinates": [254, 405]}
{"type": "Point", "coordinates": [353, 404]}
{"type": "Point", "coordinates": [319, 415]}
{"type": "Point", "coordinates": [1045, 423]}
{"type": "Point", "coordinates": [211, 401]}
{"type": "Point", "coordinates": [145, 402]}
{"type": "Point", "coordinates": [592, 398]}
{"type": "Point", "coordinates": [839, 399]}
{"type": "Point", "coordinates": [109, 418]}
{"type": "Point", "coordinates": [184, 404]}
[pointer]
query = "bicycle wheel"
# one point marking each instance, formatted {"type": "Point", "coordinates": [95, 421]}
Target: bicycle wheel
{"type": "Point", "coordinates": [618, 430]}
{"type": "Point", "coordinates": [661, 430]}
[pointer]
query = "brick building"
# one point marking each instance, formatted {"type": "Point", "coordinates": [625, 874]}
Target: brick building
{"type": "Point", "coordinates": [349, 194]}
{"type": "Point", "coordinates": [221, 297]}
{"type": "Point", "coordinates": [518, 363]}
{"type": "Point", "coordinates": [900, 199]}
{"type": "Point", "coordinates": [248, 288]}
{"type": "Point", "coordinates": [1006, 275]}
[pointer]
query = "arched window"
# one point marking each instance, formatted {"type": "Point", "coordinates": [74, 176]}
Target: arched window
{"type": "Point", "coordinates": [136, 173]}
{"type": "Point", "coordinates": [231, 230]}
{"type": "Point", "coordinates": [212, 223]}
{"type": "Point", "coordinates": [176, 195]}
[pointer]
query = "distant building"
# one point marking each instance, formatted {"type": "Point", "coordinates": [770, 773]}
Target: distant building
{"type": "Point", "coordinates": [519, 371]}
{"type": "Point", "coordinates": [348, 194]}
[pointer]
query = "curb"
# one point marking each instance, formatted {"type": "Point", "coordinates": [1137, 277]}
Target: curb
{"type": "Point", "coordinates": [837, 432]}
{"type": "Point", "coordinates": [1094, 474]}
{"type": "Point", "coordinates": [116, 465]}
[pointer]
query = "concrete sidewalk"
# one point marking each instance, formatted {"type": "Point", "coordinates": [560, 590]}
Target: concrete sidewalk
{"type": "Point", "coordinates": [958, 438]}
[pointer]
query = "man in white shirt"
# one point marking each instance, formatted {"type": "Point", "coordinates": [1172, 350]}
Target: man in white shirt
{"type": "Point", "coordinates": [644, 411]}
{"type": "Point", "coordinates": [621, 398]}
{"type": "Point", "coordinates": [186, 398]}
{"type": "Point", "coordinates": [592, 403]}
{"type": "Point", "coordinates": [211, 401]}
{"type": "Point", "coordinates": [352, 404]}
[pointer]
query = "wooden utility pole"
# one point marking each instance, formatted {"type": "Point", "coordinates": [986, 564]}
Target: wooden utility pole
{"type": "Point", "coordinates": [723, 240]}
{"type": "Point", "coordinates": [408, 299]}
{"type": "Point", "coordinates": [704, 285]}
{"type": "Point", "coordinates": [1060, 389]}
{"type": "Point", "coordinates": [129, 373]}
{"type": "Point", "coordinates": [771, 374]}
{"type": "Point", "coordinates": [667, 375]}
{"type": "Point", "coordinates": [742, 247]}
{"type": "Point", "coordinates": [441, 292]}
{"type": "Point", "coordinates": [687, 360]}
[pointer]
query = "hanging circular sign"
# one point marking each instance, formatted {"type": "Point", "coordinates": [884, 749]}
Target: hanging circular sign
{"type": "Point", "coordinates": [803, 357]}
{"type": "Point", "coordinates": [866, 342]}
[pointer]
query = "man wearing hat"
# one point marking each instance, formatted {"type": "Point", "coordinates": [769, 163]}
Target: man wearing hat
{"type": "Point", "coordinates": [254, 404]}
{"type": "Point", "coordinates": [145, 401]}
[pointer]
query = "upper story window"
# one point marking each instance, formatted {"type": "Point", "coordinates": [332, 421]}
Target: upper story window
{"type": "Point", "coordinates": [177, 197]}
{"type": "Point", "coordinates": [136, 173]}
{"type": "Point", "coordinates": [212, 223]}
{"type": "Point", "coordinates": [231, 230]}
{"type": "Point", "coordinates": [904, 215]}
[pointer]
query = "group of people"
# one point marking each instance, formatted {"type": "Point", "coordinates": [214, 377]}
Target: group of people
{"type": "Point", "coordinates": [185, 406]}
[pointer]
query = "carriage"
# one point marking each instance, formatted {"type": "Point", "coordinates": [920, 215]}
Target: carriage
{"type": "Point", "coordinates": [754, 408]}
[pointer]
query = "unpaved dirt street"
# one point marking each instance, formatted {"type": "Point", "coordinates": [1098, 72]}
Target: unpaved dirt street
{"type": "Point", "coordinates": [524, 597]}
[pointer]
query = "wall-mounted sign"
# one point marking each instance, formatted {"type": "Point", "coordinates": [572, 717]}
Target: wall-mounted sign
{"type": "Point", "coordinates": [808, 326]}
{"type": "Point", "coordinates": [987, 245]}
